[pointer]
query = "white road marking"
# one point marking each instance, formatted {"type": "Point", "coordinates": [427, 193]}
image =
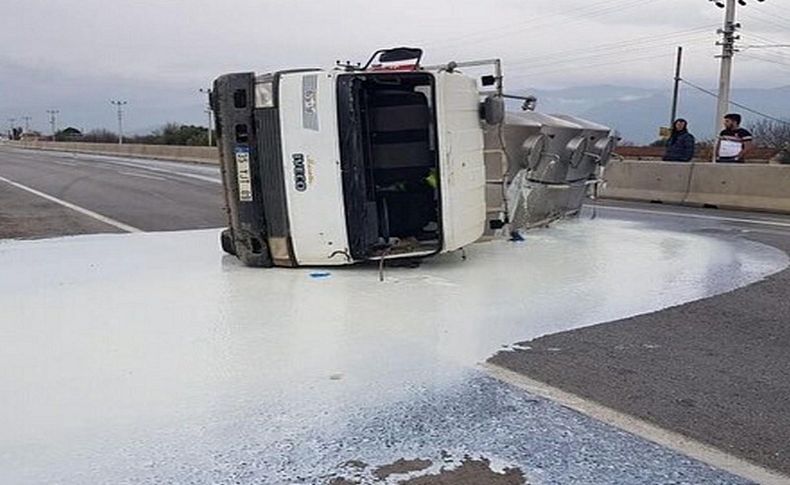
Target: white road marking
{"type": "Point", "coordinates": [140, 166]}
{"type": "Point", "coordinates": [114, 162]}
{"type": "Point", "coordinates": [142, 175]}
{"type": "Point", "coordinates": [69, 164]}
{"type": "Point", "coordinates": [199, 177]}
{"type": "Point", "coordinates": [99, 217]}
{"type": "Point", "coordinates": [768, 222]}
{"type": "Point", "coordinates": [668, 439]}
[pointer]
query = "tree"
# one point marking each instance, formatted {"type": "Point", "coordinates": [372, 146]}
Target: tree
{"type": "Point", "coordinates": [175, 134]}
{"type": "Point", "coordinates": [100, 135]}
{"type": "Point", "coordinates": [772, 134]}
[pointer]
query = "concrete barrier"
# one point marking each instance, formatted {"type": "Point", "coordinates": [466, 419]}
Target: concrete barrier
{"type": "Point", "coordinates": [734, 186]}
{"type": "Point", "coordinates": [649, 181]}
{"type": "Point", "coordinates": [749, 186]}
{"type": "Point", "coordinates": [195, 154]}
{"type": "Point", "coordinates": [761, 187]}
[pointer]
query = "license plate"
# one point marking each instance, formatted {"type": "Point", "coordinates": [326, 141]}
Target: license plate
{"type": "Point", "coordinates": [243, 176]}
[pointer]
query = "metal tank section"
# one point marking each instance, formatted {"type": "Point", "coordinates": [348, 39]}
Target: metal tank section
{"type": "Point", "coordinates": [599, 147]}
{"type": "Point", "coordinates": [539, 166]}
{"type": "Point", "coordinates": [510, 148]}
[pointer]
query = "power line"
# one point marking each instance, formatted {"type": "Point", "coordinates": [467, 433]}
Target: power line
{"type": "Point", "coordinates": [767, 59]}
{"type": "Point", "coordinates": [520, 25]}
{"type": "Point", "coordinates": [581, 14]}
{"type": "Point", "coordinates": [587, 66]}
{"type": "Point", "coordinates": [599, 56]}
{"type": "Point", "coordinates": [762, 17]}
{"type": "Point", "coordinates": [743, 107]}
{"type": "Point", "coordinates": [614, 48]}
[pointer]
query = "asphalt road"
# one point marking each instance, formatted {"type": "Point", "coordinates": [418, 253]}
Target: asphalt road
{"type": "Point", "coordinates": [149, 195]}
{"type": "Point", "coordinates": [716, 370]}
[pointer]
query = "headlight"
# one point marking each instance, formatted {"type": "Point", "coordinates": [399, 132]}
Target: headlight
{"type": "Point", "coordinates": [264, 94]}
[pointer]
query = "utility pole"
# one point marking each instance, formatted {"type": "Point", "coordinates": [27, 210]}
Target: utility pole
{"type": "Point", "coordinates": [52, 114]}
{"type": "Point", "coordinates": [728, 38]}
{"type": "Point", "coordinates": [11, 127]}
{"type": "Point", "coordinates": [676, 92]}
{"type": "Point", "coordinates": [27, 123]}
{"type": "Point", "coordinates": [207, 92]}
{"type": "Point", "coordinates": [727, 51]}
{"type": "Point", "coordinates": [119, 104]}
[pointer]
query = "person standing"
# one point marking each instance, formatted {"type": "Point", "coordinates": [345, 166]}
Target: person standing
{"type": "Point", "coordinates": [734, 142]}
{"type": "Point", "coordinates": [680, 146]}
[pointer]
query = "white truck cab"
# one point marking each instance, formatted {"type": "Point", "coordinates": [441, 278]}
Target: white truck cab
{"type": "Point", "coordinates": [334, 167]}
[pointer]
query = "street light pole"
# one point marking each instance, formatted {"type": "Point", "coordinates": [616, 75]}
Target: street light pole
{"type": "Point", "coordinates": [52, 114]}
{"type": "Point", "coordinates": [119, 104]}
{"type": "Point", "coordinates": [207, 92]}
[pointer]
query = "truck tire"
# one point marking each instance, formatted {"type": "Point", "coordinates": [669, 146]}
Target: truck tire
{"type": "Point", "coordinates": [251, 250]}
{"type": "Point", "coordinates": [226, 241]}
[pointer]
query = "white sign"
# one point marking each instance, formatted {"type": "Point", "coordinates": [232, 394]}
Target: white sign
{"type": "Point", "coordinates": [729, 148]}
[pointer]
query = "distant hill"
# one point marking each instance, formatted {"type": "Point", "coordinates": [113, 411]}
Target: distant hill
{"type": "Point", "coordinates": [637, 113]}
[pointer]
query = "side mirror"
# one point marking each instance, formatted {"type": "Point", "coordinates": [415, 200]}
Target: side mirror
{"type": "Point", "coordinates": [493, 110]}
{"type": "Point", "coordinates": [488, 80]}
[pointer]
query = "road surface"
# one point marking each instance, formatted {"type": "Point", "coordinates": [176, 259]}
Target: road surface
{"type": "Point", "coordinates": [176, 364]}
{"type": "Point", "coordinates": [149, 195]}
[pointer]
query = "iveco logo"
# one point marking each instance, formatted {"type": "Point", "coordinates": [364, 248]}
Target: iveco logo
{"type": "Point", "coordinates": [300, 174]}
{"type": "Point", "coordinates": [309, 101]}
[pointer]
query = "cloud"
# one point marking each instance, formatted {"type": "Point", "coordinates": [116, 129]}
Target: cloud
{"type": "Point", "coordinates": [78, 53]}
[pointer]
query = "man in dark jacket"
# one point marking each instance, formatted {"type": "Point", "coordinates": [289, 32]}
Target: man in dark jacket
{"type": "Point", "coordinates": [680, 146]}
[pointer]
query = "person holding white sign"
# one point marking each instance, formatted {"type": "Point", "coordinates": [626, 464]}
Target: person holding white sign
{"type": "Point", "coordinates": [734, 142]}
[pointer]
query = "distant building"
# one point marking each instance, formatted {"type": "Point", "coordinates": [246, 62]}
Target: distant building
{"type": "Point", "coordinates": [30, 136]}
{"type": "Point", "coordinates": [68, 134]}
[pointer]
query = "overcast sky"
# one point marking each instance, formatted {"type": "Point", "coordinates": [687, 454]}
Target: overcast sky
{"type": "Point", "coordinates": [77, 55]}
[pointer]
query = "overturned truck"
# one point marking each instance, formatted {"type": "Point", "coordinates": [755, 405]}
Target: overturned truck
{"type": "Point", "coordinates": [389, 160]}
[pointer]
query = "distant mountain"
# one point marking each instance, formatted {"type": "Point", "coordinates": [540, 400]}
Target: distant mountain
{"type": "Point", "coordinates": [637, 113]}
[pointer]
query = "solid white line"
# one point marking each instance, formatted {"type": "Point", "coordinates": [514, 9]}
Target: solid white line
{"type": "Point", "coordinates": [767, 222]}
{"type": "Point", "coordinates": [142, 166]}
{"type": "Point", "coordinates": [76, 208]}
{"type": "Point", "coordinates": [668, 439]}
{"type": "Point", "coordinates": [199, 177]}
{"type": "Point", "coordinates": [69, 164]}
{"type": "Point", "coordinates": [142, 175]}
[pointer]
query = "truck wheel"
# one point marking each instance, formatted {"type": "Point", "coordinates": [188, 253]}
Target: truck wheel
{"type": "Point", "coordinates": [253, 252]}
{"type": "Point", "coordinates": [226, 241]}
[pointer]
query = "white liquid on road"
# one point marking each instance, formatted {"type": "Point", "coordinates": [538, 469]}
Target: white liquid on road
{"type": "Point", "coordinates": [151, 355]}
